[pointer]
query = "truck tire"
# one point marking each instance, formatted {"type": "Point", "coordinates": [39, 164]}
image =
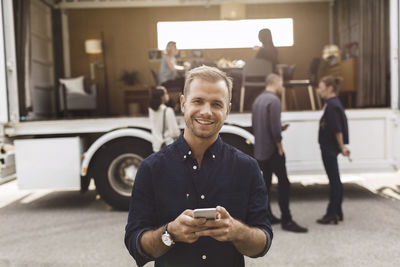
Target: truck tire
{"type": "Point", "coordinates": [114, 169]}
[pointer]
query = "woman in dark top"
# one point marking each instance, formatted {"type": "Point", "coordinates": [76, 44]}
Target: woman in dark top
{"type": "Point", "coordinates": [332, 137]}
{"type": "Point", "coordinates": [268, 50]}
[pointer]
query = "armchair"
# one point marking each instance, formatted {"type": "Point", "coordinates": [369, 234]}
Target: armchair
{"type": "Point", "coordinates": [75, 95]}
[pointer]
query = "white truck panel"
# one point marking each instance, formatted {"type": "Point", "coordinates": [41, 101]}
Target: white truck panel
{"type": "Point", "coordinates": [48, 163]}
{"type": "Point", "coordinates": [3, 80]}
{"type": "Point", "coordinates": [372, 142]}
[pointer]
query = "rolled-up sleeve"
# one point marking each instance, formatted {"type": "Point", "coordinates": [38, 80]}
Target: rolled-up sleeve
{"type": "Point", "coordinates": [141, 214]}
{"type": "Point", "coordinates": [257, 215]}
{"type": "Point", "coordinates": [275, 120]}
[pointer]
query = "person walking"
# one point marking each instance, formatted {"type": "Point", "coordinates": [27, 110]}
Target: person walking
{"type": "Point", "coordinates": [332, 137]}
{"type": "Point", "coordinates": [268, 149]}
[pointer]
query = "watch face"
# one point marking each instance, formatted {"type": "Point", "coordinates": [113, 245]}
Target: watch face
{"type": "Point", "coordinates": [166, 239]}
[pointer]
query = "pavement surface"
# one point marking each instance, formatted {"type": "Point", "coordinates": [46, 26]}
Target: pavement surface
{"type": "Point", "coordinates": [66, 228]}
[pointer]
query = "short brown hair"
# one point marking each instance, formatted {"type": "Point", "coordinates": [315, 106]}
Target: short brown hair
{"type": "Point", "coordinates": [272, 78]}
{"type": "Point", "coordinates": [332, 81]}
{"type": "Point", "coordinates": [210, 74]}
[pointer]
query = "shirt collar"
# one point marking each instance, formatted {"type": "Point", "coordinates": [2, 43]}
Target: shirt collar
{"type": "Point", "coordinates": [185, 151]}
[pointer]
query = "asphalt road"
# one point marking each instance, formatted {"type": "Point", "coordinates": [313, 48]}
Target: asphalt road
{"type": "Point", "coordinates": [66, 228]}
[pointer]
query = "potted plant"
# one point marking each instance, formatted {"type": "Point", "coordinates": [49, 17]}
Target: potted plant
{"type": "Point", "coordinates": [130, 77]}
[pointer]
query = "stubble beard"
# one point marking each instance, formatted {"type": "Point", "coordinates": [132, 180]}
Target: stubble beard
{"type": "Point", "coordinates": [207, 135]}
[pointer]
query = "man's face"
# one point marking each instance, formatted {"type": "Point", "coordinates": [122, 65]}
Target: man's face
{"type": "Point", "coordinates": [205, 108]}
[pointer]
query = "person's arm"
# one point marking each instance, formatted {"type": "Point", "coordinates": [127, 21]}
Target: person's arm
{"type": "Point", "coordinates": [335, 126]}
{"type": "Point", "coordinates": [249, 241]}
{"type": "Point", "coordinates": [343, 149]}
{"type": "Point", "coordinates": [173, 128]}
{"type": "Point", "coordinates": [280, 148]}
{"type": "Point", "coordinates": [182, 229]}
{"type": "Point", "coordinates": [254, 237]}
{"type": "Point", "coordinates": [141, 217]}
{"type": "Point", "coordinates": [172, 66]}
{"type": "Point", "coordinates": [275, 124]}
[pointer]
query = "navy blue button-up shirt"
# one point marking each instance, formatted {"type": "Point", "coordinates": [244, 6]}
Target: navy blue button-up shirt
{"type": "Point", "coordinates": [170, 181]}
{"type": "Point", "coordinates": [333, 121]}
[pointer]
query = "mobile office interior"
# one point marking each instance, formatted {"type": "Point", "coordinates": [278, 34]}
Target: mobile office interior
{"type": "Point", "coordinates": [82, 20]}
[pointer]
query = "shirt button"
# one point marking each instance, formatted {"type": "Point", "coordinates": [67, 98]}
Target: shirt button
{"type": "Point", "coordinates": [190, 152]}
{"type": "Point", "coordinates": [194, 167]}
{"type": "Point", "coordinates": [184, 157]}
{"type": "Point", "coordinates": [202, 197]}
{"type": "Point", "coordinates": [204, 257]}
{"type": "Point", "coordinates": [187, 195]}
{"type": "Point", "coordinates": [213, 156]}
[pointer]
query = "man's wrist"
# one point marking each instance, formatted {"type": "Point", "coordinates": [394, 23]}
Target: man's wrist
{"type": "Point", "coordinates": [239, 231]}
{"type": "Point", "coordinates": [171, 229]}
{"type": "Point", "coordinates": [166, 237]}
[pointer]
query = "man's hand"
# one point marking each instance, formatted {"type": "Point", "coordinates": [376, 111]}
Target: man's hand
{"type": "Point", "coordinates": [185, 226]}
{"type": "Point", "coordinates": [249, 241]}
{"type": "Point", "coordinates": [224, 228]}
{"type": "Point", "coordinates": [345, 151]}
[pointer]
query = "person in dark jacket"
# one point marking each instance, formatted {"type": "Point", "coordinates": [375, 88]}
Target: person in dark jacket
{"type": "Point", "coordinates": [268, 50]}
{"type": "Point", "coordinates": [332, 137]}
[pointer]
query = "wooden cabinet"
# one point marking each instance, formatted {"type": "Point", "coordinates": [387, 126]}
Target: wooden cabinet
{"type": "Point", "coordinates": [138, 94]}
{"type": "Point", "coordinates": [347, 69]}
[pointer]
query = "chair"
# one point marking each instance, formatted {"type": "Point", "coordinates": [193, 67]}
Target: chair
{"type": "Point", "coordinates": [255, 73]}
{"type": "Point", "coordinates": [287, 75]}
{"type": "Point", "coordinates": [310, 83]}
{"type": "Point", "coordinates": [155, 76]}
{"type": "Point", "coordinates": [75, 95]}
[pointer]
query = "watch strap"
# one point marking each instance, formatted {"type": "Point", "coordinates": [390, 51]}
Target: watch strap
{"type": "Point", "coordinates": [168, 235]}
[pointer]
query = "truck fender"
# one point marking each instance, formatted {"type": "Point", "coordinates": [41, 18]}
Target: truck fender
{"type": "Point", "coordinates": [87, 156]}
{"type": "Point", "coordinates": [235, 130]}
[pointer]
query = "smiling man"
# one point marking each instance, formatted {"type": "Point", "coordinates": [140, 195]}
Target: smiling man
{"type": "Point", "coordinates": [197, 171]}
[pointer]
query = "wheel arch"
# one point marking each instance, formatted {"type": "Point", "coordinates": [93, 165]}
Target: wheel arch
{"type": "Point", "coordinates": [89, 155]}
{"type": "Point", "coordinates": [239, 131]}
{"type": "Point", "coordinates": [231, 134]}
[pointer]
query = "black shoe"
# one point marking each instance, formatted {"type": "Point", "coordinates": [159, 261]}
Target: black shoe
{"type": "Point", "coordinates": [340, 215]}
{"type": "Point", "coordinates": [328, 219]}
{"type": "Point", "coordinates": [292, 226]}
{"type": "Point", "coordinates": [274, 220]}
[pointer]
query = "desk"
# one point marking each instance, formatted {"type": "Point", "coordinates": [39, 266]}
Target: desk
{"type": "Point", "coordinates": [139, 94]}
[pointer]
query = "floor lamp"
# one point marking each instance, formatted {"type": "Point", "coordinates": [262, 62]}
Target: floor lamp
{"type": "Point", "coordinates": [95, 47]}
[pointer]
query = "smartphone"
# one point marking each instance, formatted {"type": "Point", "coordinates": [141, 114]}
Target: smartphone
{"type": "Point", "coordinates": [209, 214]}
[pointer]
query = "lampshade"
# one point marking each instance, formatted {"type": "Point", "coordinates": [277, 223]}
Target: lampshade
{"type": "Point", "coordinates": [233, 11]}
{"type": "Point", "coordinates": [93, 46]}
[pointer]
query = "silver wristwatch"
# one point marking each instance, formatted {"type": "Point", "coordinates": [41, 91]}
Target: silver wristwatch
{"type": "Point", "coordinates": [166, 237]}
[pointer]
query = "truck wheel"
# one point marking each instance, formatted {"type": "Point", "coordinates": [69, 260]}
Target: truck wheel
{"type": "Point", "coordinates": [114, 169]}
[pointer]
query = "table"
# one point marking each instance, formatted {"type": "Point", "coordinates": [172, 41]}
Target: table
{"type": "Point", "coordinates": [139, 94]}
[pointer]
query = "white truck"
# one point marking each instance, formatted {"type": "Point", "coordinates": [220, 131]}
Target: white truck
{"type": "Point", "coordinates": [68, 153]}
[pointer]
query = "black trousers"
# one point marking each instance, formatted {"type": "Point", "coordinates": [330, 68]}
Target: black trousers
{"type": "Point", "coordinates": [329, 157]}
{"type": "Point", "coordinates": [277, 164]}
